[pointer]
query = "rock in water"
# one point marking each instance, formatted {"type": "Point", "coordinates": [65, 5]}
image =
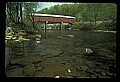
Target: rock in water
{"type": "Point", "coordinates": [57, 76]}
{"type": "Point", "coordinates": [70, 35]}
{"type": "Point", "coordinates": [26, 60]}
{"type": "Point", "coordinates": [17, 40]}
{"type": "Point", "coordinates": [29, 70]}
{"type": "Point", "coordinates": [37, 38]}
{"type": "Point", "coordinates": [69, 70]}
{"type": "Point", "coordinates": [39, 68]}
{"type": "Point", "coordinates": [13, 38]}
{"type": "Point", "coordinates": [59, 36]}
{"type": "Point", "coordinates": [20, 38]}
{"type": "Point", "coordinates": [38, 41]}
{"type": "Point", "coordinates": [5, 41]}
{"type": "Point", "coordinates": [14, 72]}
{"type": "Point", "coordinates": [88, 50]}
{"type": "Point", "coordinates": [8, 37]}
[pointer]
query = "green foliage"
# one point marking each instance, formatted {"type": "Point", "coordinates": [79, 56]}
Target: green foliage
{"type": "Point", "coordinates": [84, 12]}
{"type": "Point", "coordinates": [87, 12]}
{"type": "Point", "coordinates": [82, 26]}
{"type": "Point", "coordinates": [107, 26]}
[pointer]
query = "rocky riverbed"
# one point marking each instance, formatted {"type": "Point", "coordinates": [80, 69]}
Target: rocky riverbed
{"type": "Point", "coordinates": [54, 57]}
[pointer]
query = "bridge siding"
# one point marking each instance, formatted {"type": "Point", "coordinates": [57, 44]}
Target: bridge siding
{"type": "Point", "coordinates": [54, 19]}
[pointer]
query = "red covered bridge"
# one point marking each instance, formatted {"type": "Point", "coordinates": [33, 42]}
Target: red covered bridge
{"type": "Point", "coordinates": [47, 18]}
{"type": "Point", "coordinates": [54, 18]}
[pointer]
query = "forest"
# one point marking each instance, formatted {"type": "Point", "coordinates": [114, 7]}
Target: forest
{"type": "Point", "coordinates": [89, 16]}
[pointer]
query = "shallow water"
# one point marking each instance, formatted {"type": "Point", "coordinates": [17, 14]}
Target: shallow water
{"type": "Point", "coordinates": [59, 54]}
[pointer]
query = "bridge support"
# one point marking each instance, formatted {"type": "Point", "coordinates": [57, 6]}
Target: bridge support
{"type": "Point", "coordinates": [60, 27]}
{"type": "Point", "coordinates": [45, 27]}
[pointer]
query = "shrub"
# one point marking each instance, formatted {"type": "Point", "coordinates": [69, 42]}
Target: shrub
{"type": "Point", "coordinates": [83, 26]}
{"type": "Point", "coordinates": [107, 26]}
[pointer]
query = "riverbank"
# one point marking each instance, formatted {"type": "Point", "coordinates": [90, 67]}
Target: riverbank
{"type": "Point", "coordinates": [104, 31]}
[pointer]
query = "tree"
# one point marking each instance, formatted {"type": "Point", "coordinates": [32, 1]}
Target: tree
{"type": "Point", "coordinates": [9, 11]}
{"type": "Point", "coordinates": [84, 12]}
{"type": "Point", "coordinates": [14, 10]}
{"type": "Point", "coordinates": [21, 12]}
{"type": "Point", "coordinates": [29, 9]}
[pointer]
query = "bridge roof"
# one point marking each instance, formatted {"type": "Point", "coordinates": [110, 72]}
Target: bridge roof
{"type": "Point", "coordinates": [52, 15]}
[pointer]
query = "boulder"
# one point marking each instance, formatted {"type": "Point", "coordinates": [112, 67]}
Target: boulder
{"type": "Point", "coordinates": [29, 70]}
{"type": "Point", "coordinates": [55, 52]}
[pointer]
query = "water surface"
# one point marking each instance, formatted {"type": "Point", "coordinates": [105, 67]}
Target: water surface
{"type": "Point", "coordinates": [67, 52]}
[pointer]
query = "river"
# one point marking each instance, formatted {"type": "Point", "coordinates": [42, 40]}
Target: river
{"type": "Point", "coordinates": [59, 54]}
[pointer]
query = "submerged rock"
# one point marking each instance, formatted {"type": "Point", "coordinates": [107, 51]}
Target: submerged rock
{"type": "Point", "coordinates": [59, 37]}
{"type": "Point", "coordinates": [90, 64]}
{"type": "Point", "coordinates": [29, 70]}
{"type": "Point", "coordinates": [27, 60]}
{"type": "Point", "coordinates": [54, 66]}
{"type": "Point", "coordinates": [14, 72]}
{"type": "Point", "coordinates": [39, 74]}
{"type": "Point", "coordinates": [90, 71]}
{"type": "Point", "coordinates": [54, 52]}
{"type": "Point", "coordinates": [84, 67]}
{"type": "Point", "coordinates": [103, 73]}
{"type": "Point", "coordinates": [39, 68]}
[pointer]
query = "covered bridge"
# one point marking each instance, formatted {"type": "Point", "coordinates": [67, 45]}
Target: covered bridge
{"type": "Point", "coordinates": [48, 18]}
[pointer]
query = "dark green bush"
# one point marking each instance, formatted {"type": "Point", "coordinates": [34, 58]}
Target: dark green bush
{"type": "Point", "coordinates": [107, 26]}
{"type": "Point", "coordinates": [82, 26]}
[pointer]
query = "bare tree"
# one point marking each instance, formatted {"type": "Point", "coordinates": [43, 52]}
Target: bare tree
{"type": "Point", "coordinates": [33, 7]}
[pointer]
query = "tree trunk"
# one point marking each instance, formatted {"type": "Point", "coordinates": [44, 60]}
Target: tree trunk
{"type": "Point", "coordinates": [32, 20]}
{"type": "Point", "coordinates": [9, 11]}
{"type": "Point", "coordinates": [21, 12]}
{"type": "Point", "coordinates": [17, 9]}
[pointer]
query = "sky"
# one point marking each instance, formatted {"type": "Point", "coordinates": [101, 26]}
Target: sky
{"type": "Point", "coordinates": [49, 4]}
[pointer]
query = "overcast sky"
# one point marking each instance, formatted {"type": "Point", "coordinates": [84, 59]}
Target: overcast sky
{"type": "Point", "coordinates": [49, 4]}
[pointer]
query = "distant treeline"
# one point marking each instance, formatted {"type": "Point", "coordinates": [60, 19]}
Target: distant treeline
{"type": "Point", "coordinates": [88, 15]}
